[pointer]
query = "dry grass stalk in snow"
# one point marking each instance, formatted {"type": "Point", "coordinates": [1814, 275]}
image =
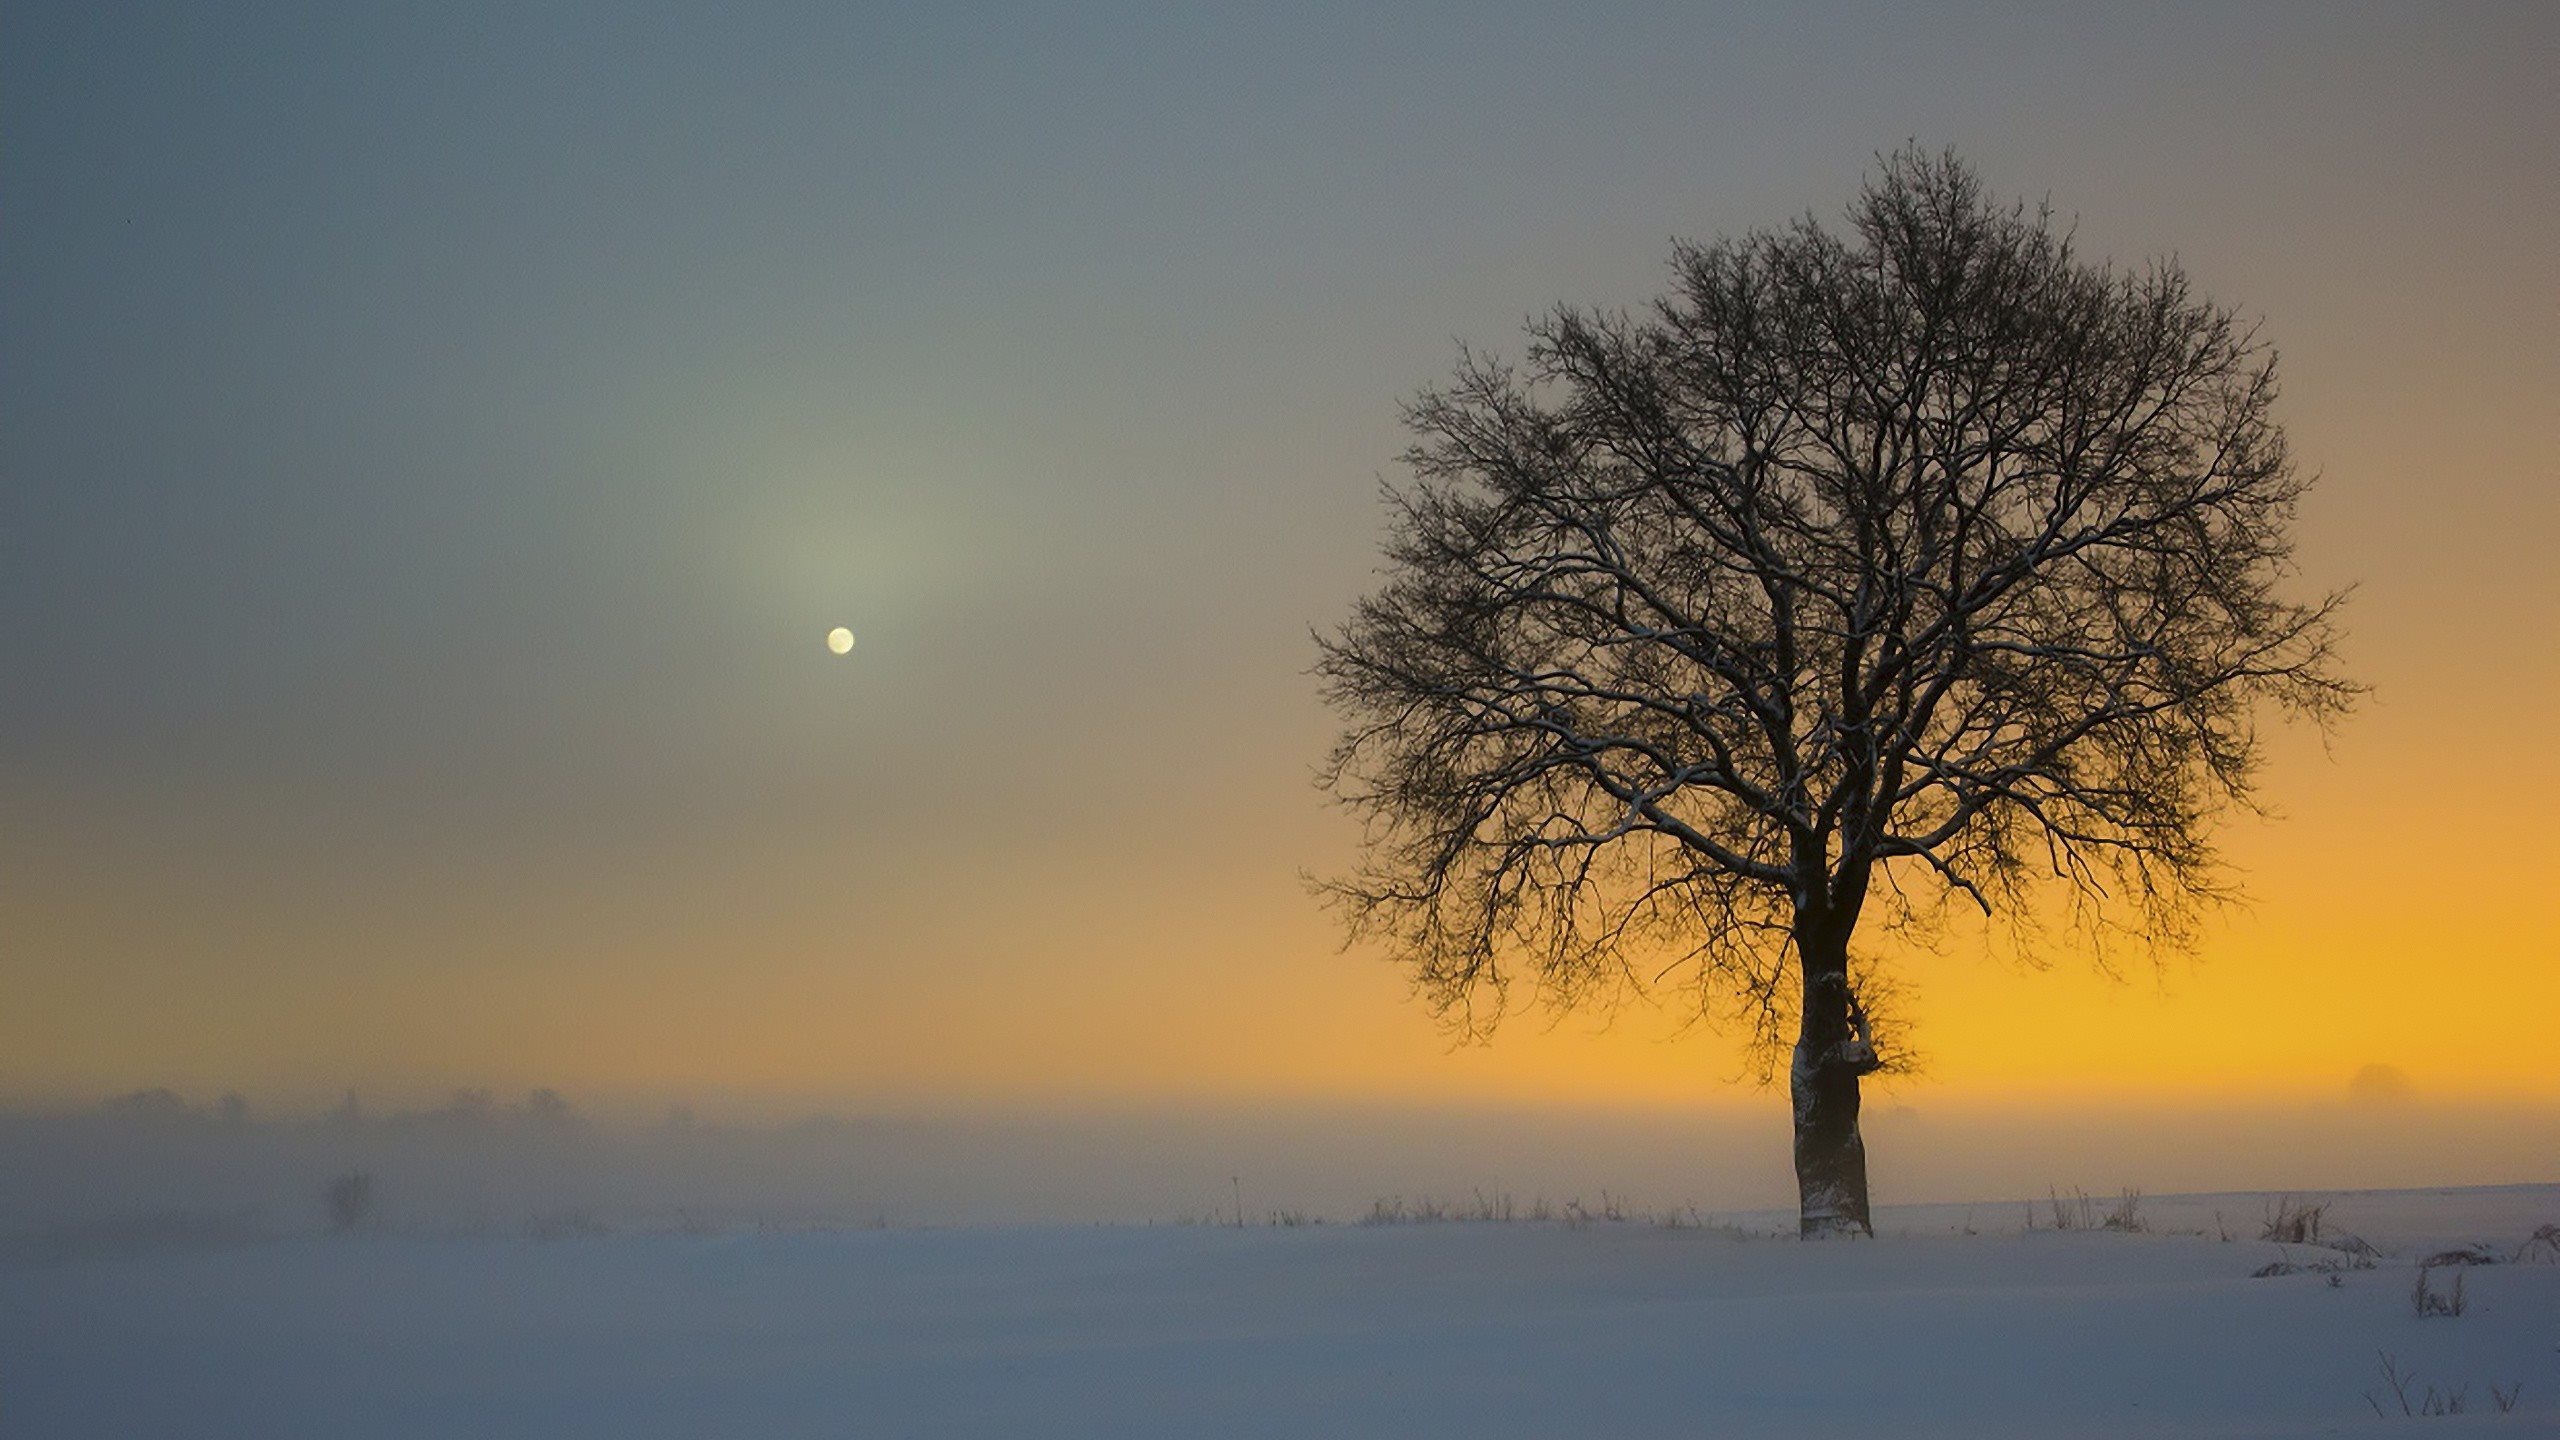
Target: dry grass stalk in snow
{"type": "Point", "coordinates": [2127, 1214]}
{"type": "Point", "coordinates": [2080, 1211]}
{"type": "Point", "coordinates": [2430, 1401]}
{"type": "Point", "coordinates": [2426, 1302]}
{"type": "Point", "coordinates": [2292, 1222]}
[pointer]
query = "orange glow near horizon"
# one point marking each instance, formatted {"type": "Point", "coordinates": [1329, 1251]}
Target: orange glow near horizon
{"type": "Point", "coordinates": [1199, 982]}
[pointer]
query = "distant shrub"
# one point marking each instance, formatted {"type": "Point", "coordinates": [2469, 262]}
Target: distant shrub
{"type": "Point", "coordinates": [350, 1200]}
{"type": "Point", "coordinates": [2542, 1247]}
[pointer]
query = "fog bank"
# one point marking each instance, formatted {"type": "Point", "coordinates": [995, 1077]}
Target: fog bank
{"type": "Point", "coordinates": [152, 1169]}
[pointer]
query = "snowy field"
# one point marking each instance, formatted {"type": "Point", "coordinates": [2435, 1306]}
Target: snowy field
{"type": "Point", "coordinates": [1632, 1328]}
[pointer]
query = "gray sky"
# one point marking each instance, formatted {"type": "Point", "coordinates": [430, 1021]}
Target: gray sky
{"type": "Point", "coordinates": [434, 441]}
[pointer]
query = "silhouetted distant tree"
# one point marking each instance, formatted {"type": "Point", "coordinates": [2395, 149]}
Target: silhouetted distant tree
{"type": "Point", "coordinates": [1864, 571]}
{"type": "Point", "coordinates": [470, 1105]}
{"type": "Point", "coordinates": [158, 1105]}
{"type": "Point", "coordinates": [350, 1200]}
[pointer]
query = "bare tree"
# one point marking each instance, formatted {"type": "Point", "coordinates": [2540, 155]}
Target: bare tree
{"type": "Point", "coordinates": [1865, 571]}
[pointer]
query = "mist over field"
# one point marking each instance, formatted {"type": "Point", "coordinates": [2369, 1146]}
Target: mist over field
{"type": "Point", "coordinates": [151, 1168]}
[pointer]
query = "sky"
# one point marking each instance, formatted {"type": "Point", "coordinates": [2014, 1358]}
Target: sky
{"type": "Point", "coordinates": [436, 441]}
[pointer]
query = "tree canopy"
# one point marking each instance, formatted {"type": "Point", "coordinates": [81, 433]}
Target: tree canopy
{"type": "Point", "coordinates": [1925, 559]}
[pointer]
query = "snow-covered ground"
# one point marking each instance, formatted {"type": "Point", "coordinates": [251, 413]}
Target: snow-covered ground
{"type": "Point", "coordinates": [1475, 1329]}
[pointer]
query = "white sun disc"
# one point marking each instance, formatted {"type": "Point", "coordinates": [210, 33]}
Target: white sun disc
{"type": "Point", "coordinates": [840, 640]}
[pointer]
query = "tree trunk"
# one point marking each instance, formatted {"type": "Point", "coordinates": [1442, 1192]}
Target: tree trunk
{"type": "Point", "coordinates": [1833, 1052]}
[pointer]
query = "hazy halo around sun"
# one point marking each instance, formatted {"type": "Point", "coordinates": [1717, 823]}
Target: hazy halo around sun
{"type": "Point", "coordinates": [840, 640]}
